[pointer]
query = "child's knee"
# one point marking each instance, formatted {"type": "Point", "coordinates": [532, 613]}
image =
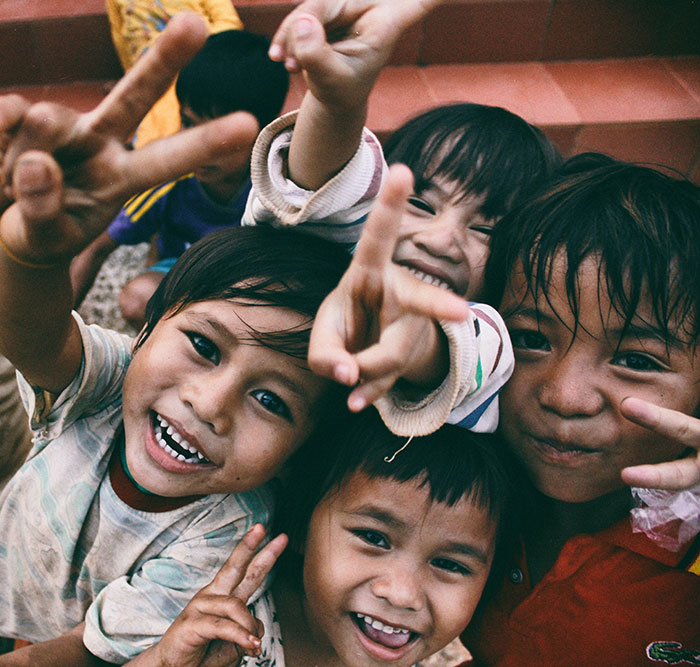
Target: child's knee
{"type": "Point", "coordinates": [135, 295]}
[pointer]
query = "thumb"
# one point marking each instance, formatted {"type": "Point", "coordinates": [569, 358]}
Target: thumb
{"type": "Point", "coordinates": [310, 48]}
{"type": "Point", "coordinates": [37, 186]}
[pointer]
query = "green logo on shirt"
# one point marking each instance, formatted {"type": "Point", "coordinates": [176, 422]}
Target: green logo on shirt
{"type": "Point", "coordinates": [672, 653]}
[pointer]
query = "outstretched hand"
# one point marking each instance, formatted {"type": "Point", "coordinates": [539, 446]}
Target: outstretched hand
{"type": "Point", "coordinates": [64, 175]}
{"type": "Point", "coordinates": [341, 45]}
{"type": "Point", "coordinates": [216, 628]}
{"type": "Point", "coordinates": [380, 323]}
{"type": "Point", "coordinates": [673, 475]}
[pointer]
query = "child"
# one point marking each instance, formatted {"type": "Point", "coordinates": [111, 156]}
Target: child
{"type": "Point", "coordinates": [217, 396]}
{"type": "Point", "coordinates": [231, 73]}
{"type": "Point", "coordinates": [601, 287]}
{"type": "Point", "coordinates": [136, 24]}
{"type": "Point", "coordinates": [390, 550]}
{"type": "Point", "coordinates": [470, 164]}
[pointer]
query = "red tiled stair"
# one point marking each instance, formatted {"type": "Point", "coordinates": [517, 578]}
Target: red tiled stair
{"type": "Point", "coordinates": [619, 76]}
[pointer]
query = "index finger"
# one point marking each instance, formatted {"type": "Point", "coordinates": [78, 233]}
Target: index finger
{"type": "Point", "coordinates": [139, 89]}
{"type": "Point", "coordinates": [233, 570]}
{"type": "Point", "coordinates": [260, 567]}
{"type": "Point", "coordinates": [673, 475]}
{"type": "Point", "coordinates": [376, 246]}
{"type": "Point", "coordinates": [12, 110]}
{"type": "Point", "coordinates": [180, 153]}
{"type": "Point", "coordinates": [246, 567]}
{"type": "Point", "coordinates": [664, 421]}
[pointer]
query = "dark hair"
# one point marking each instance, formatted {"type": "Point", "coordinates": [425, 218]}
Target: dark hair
{"type": "Point", "coordinates": [279, 267]}
{"type": "Point", "coordinates": [643, 225]}
{"type": "Point", "coordinates": [451, 463]}
{"type": "Point", "coordinates": [232, 72]}
{"type": "Point", "coordinates": [486, 150]}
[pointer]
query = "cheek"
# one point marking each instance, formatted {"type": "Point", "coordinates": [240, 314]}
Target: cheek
{"type": "Point", "coordinates": [454, 611]}
{"type": "Point", "coordinates": [515, 393]}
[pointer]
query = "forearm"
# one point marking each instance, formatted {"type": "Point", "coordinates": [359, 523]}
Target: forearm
{"type": "Point", "coordinates": [85, 267]}
{"type": "Point", "coordinates": [68, 649]}
{"type": "Point", "coordinates": [38, 334]}
{"type": "Point", "coordinates": [324, 140]}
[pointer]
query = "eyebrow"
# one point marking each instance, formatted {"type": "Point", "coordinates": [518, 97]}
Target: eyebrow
{"type": "Point", "coordinates": [639, 331]}
{"type": "Point", "coordinates": [384, 516]}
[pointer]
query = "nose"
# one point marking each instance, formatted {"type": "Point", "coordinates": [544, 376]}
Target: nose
{"type": "Point", "coordinates": [443, 237]}
{"type": "Point", "coordinates": [569, 388]}
{"type": "Point", "coordinates": [400, 585]}
{"type": "Point", "coordinates": [212, 397]}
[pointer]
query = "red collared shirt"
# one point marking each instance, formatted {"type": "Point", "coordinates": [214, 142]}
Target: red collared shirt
{"type": "Point", "coordinates": [612, 598]}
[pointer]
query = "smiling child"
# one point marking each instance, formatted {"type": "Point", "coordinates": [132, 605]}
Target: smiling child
{"type": "Point", "coordinates": [601, 285]}
{"type": "Point", "coordinates": [168, 453]}
{"type": "Point", "coordinates": [470, 163]}
{"type": "Point", "coordinates": [389, 554]}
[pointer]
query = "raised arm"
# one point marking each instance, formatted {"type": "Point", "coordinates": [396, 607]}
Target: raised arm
{"type": "Point", "coordinates": [340, 46]}
{"type": "Point", "coordinates": [64, 177]}
{"type": "Point", "coordinates": [381, 323]}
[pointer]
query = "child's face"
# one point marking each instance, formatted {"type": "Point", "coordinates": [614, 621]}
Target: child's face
{"type": "Point", "coordinates": [560, 411]}
{"type": "Point", "coordinates": [229, 167]}
{"type": "Point", "coordinates": [389, 576]}
{"type": "Point", "coordinates": [444, 239]}
{"type": "Point", "coordinates": [208, 411]}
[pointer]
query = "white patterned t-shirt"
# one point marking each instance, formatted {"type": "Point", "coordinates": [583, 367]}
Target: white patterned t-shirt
{"type": "Point", "coordinates": [71, 549]}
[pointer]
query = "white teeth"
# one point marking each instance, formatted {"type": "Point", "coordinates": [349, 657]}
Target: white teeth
{"type": "Point", "coordinates": [427, 278]}
{"type": "Point", "coordinates": [382, 627]}
{"type": "Point", "coordinates": [172, 433]}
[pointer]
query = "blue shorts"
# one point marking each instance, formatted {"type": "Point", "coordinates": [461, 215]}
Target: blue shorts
{"type": "Point", "coordinates": [164, 265]}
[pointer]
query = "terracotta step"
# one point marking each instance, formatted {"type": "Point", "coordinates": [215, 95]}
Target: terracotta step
{"type": "Point", "coordinates": [64, 40]}
{"type": "Point", "coordinates": [644, 109]}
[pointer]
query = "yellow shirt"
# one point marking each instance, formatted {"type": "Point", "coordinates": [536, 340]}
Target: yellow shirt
{"type": "Point", "coordinates": [135, 24]}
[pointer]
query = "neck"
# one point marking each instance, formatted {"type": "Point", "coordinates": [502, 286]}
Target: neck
{"type": "Point", "coordinates": [223, 191]}
{"type": "Point", "coordinates": [573, 518]}
{"type": "Point", "coordinates": [551, 523]}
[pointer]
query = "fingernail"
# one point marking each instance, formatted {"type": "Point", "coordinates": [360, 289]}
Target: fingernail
{"type": "Point", "coordinates": [302, 27]}
{"type": "Point", "coordinates": [356, 403]}
{"type": "Point", "coordinates": [275, 52]}
{"type": "Point", "coordinates": [254, 640]}
{"type": "Point", "coordinates": [32, 177]}
{"type": "Point", "coordinates": [342, 373]}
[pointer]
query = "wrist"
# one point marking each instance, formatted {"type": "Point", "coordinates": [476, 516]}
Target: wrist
{"type": "Point", "coordinates": [432, 363]}
{"type": "Point", "coordinates": [20, 258]}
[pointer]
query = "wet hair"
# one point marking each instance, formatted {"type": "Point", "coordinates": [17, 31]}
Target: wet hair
{"type": "Point", "coordinates": [486, 150]}
{"type": "Point", "coordinates": [232, 72]}
{"type": "Point", "coordinates": [641, 224]}
{"type": "Point", "coordinates": [451, 464]}
{"type": "Point", "coordinates": [278, 267]}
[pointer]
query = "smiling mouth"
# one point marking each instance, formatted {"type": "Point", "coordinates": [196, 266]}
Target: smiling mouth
{"type": "Point", "coordinates": [389, 636]}
{"type": "Point", "coordinates": [430, 279]}
{"type": "Point", "coordinates": [174, 444]}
